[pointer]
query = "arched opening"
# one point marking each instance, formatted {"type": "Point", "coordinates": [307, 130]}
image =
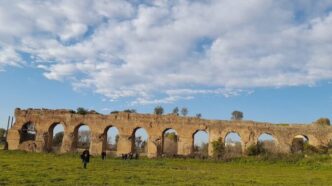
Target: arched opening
{"type": "Point", "coordinates": [170, 142]}
{"type": "Point", "coordinates": [28, 132]}
{"type": "Point", "coordinates": [267, 143]}
{"type": "Point", "coordinates": [201, 143]}
{"type": "Point", "coordinates": [233, 145]}
{"type": "Point", "coordinates": [82, 137]}
{"type": "Point", "coordinates": [56, 132]}
{"type": "Point", "coordinates": [111, 139]}
{"type": "Point", "coordinates": [299, 143]}
{"type": "Point", "coordinates": [140, 141]}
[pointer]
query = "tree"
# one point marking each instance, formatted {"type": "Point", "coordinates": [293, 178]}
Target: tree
{"type": "Point", "coordinates": [237, 115]}
{"type": "Point", "coordinates": [184, 111]}
{"type": "Point", "coordinates": [323, 122]}
{"type": "Point", "coordinates": [82, 111]}
{"type": "Point", "coordinates": [158, 110]}
{"type": "Point", "coordinates": [199, 115]}
{"type": "Point", "coordinates": [93, 112]}
{"type": "Point", "coordinates": [114, 112]}
{"type": "Point", "coordinates": [83, 139]}
{"type": "Point", "coordinates": [175, 111]}
{"type": "Point", "coordinates": [57, 140]}
{"type": "Point", "coordinates": [117, 139]}
{"type": "Point", "coordinates": [140, 144]}
{"type": "Point", "coordinates": [2, 135]}
{"type": "Point", "coordinates": [130, 111]}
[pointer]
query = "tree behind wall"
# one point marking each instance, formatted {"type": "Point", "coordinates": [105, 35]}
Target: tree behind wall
{"type": "Point", "coordinates": [57, 140]}
{"type": "Point", "coordinates": [323, 122]}
{"type": "Point", "coordinates": [184, 111]}
{"type": "Point", "coordinates": [175, 111]}
{"type": "Point", "coordinates": [2, 135]}
{"type": "Point", "coordinates": [237, 115]}
{"type": "Point", "coordinates": [83, 139]}
{"type": "Point", "coordinates": [158, 110]}
{"type": "Point", "coordinates": [82, 111]}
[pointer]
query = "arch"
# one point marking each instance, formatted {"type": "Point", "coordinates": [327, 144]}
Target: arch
{"type": "Point", "coordinates": [299, 142]}
{"type": "Point", "coordinates": [110, 140]}
{"type": "Point", "coordinates": [82, 137]}
{"type": "Point", "coordinates": [139, 139]}
{"type": "Point", "coordinates": [55, 137]}
{"type": "Point", "coordinates": [267, 142]}
{"type": "Point", "coordinates": [233, 144]}
{"type": "Point", "coordinates": [170, 142]}
{"type": "Point", "coordinates": [28, 132]}
{"type": "Point", "coordinates": [201, 143]}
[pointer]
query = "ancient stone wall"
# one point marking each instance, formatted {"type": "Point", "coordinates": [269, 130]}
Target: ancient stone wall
{"type": "Point", "coordinates": [44, 121]}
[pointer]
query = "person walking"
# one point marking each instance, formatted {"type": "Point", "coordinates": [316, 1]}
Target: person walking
{"type": "Point", "coordinates": [85, 156]}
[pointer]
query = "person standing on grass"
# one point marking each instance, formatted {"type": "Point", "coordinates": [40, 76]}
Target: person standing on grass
{"type": "Point", "coordinates": [85, 156]}
{"type": "Point", "coordinates": [103, 155]}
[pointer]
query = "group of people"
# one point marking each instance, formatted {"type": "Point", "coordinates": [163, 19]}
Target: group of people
{"type": "Point", "coordinates": [130, 156]}
{"type": "Point", "coordinates": [85, 156]}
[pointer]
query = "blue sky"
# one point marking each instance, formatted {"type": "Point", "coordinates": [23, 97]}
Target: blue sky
{"type": "Point", "coordinates": [28, 88]}
{"type": "Point", "coordinates": [272, 60]}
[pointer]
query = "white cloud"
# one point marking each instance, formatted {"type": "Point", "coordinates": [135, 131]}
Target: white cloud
{"type": "Point", "coordinates": [8, 56]}
{"type": "Point", "coordinates": [177, 49]}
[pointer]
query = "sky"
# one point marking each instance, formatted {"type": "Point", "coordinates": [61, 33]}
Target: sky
{"type": "Point", "coordinates": [270, 59]}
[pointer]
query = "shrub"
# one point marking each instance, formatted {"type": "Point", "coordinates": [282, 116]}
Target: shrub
{"type": "Point", "coordinates": [329, 145]}
{"type": "Point", "coordinates": [115, 112]}
{"type": "Point", "coordinates": [297, 145]}
{"type": "Point", "coordinates": [58, 139]}
{"type": "Point", "coordinates": [256, 149]}
{"type": "Point", "coordinates": [130, 111]}
{"type": "Point", "coordinates": [72, 111]}
{"type": "Point", "coordinates": [232, 151]}
{"type": "Point", "coordinates": [310, 149]}
{"type": "Point", "coordinates": [82, 111]}
{"type": "Point", "coordinates": [323, 122]}
{"type": "Point", "coordinates": [93, 112]}
{"type": "Point", "coordinates": [199, 115]}
{"type": "Point", "coordinates": [218, 147]}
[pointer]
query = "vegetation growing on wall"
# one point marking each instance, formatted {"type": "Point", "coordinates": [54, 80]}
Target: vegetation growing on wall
{"type": "Point", "coordinates": [218, 148]}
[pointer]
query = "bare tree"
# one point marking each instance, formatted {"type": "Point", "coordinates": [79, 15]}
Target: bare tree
{"type": "Point", "coordinates": [84, 139]}
{"type": "Point", "coordinates": [175, 111]}
{"type": "Point", "coordinates": [57, 140]}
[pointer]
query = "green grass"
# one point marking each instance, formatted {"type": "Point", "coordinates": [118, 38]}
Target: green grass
{"type": "Point", "coordinates": [20, 168]}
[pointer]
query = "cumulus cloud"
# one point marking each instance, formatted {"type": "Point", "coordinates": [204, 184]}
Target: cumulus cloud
{"type": "Point", "coordinates": [162, 51]}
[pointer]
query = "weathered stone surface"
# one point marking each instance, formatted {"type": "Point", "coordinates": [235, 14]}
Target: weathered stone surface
{"type": "Point", "coordinates": [29, 146]}
{"type": "Point", "coordinates": [126, 123]}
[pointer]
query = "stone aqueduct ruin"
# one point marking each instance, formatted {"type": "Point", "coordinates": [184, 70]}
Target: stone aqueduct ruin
{"type": "Point", "coordinates": [44, 121]}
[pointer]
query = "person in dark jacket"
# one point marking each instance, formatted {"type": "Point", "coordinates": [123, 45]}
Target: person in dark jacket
{"type": "Point", "coordinates": [85, 156]}
{"type": "Point", "coordinates": [103, 155]}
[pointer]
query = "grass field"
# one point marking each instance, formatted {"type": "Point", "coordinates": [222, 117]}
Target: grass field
{"type": "Point", "coordinates": [20, 168]}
